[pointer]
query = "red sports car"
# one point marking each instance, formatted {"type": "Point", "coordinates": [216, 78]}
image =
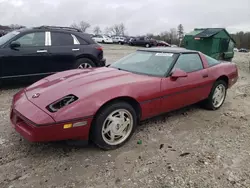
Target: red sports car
{"type": "Point", "coordinates": [106, 104]}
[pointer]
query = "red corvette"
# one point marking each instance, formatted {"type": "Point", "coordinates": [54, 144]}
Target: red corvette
{"type": "Point", "coordinates": [105, 104]}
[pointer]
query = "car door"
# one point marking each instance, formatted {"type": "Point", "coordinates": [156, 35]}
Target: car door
{"type": "Point", "coordinates": [27, 60]}
{"type": "Point", "coordinates": [185, 90]}
{"type": "Point", "coordinates": [63, 49]}
{"type": "Point", "coordinates": [141, 41]}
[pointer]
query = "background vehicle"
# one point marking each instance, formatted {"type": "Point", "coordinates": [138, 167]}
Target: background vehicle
{"type": "Point", "coordinates": [174, 46]}
{"type": "Point", "coordinates": [244, 50]}
{"type": "Point", "coordinates": [236, 50]}
{"type": "Point", "coordinates": [105, 104]}
{"type": "Point", "coordinates": [2, 33]}
{"type": "Point", "coordinates": [119, 39]}
{"type": "Point", "coordinates": [162, 43]}
{"type": "Point", "coordinates": [102, 39]}
{"type": "Point", "coordinates": [142, 41]}
{"type": "Point", "coordinates": [45, 50]}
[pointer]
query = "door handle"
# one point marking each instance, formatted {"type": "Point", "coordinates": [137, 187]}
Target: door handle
{"type": "Point", "coordinates": [75, 49]}
{"type": "Point", "coordinates": [41, 51]}
{"type": "Point", "coordinates": [205, 75]}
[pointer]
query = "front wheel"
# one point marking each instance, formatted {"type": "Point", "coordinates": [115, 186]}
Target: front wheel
{"type": "Point", "coordinates": [147, 45]}
{"type": "Point", "coordinates": [114, 125]}
{"type": "Point", "coordinates": [217, 95]}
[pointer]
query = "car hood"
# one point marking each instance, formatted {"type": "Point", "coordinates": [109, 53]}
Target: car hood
{"type": "Point", "coordinates": [81, 83]}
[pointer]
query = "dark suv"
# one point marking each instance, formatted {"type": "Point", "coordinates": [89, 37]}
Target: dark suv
{"type": "Point", "coordinates": [45, 50]}
{"type": "Point", "coordinates": [142, 41]}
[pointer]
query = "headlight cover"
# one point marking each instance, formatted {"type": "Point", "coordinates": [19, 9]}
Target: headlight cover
{"type": "Point", "coordinates": [57, 105]}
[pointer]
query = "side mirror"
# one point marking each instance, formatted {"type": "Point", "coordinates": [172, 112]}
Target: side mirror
{"type": "Point", "coordinates": [178, 73]}
{"type": "Point", "coordinates": [15, 44]}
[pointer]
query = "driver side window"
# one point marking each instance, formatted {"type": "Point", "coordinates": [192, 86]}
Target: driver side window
{"type": "Point", "coordinates": [32, 39]}
{"type": "Point", "coordinates": [189, 62]}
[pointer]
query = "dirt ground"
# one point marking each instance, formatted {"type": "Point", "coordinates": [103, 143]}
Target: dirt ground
{"type": "Point", "coordinates": [191, 147]}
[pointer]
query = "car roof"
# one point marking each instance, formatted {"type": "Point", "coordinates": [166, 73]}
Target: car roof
{"type": "Point", "coordinates": [59, 29]}
{"type": "Point", "coordinates": [168, 50]}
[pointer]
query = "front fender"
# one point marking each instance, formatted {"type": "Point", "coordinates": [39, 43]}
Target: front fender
{"type": "Point", "coordinates": [87, 106]}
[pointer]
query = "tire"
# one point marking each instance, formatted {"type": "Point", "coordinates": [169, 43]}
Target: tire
{"type": "Point", "coordinates": [101, 139]}
{"type": "Point", "coordinates": [103, 42]}
{"type": "Point", "coordinates": [208, 103]}
{"type": "Point", "coordinates": [147, 45]}
{"type": "Point", "coordinates": [84, 63]}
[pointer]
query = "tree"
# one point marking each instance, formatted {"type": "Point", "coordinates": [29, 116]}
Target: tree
{"type": "Point", "coordinates": [82, 26]}
{"type": "Point", "coordinates": [173, 36]}
{"type": "Point", "coordinates": [242, 39]}
{"type": "Point", "coordinates": [16, 26]}
{"type": "Point", "coordinates": [108, 31]}
{"type": "Point", "coordinates": [117, 29]}
{"type": "Point", "coordinates": [180, 31]}
{"type": "Point", "coordinates": [97, 30]}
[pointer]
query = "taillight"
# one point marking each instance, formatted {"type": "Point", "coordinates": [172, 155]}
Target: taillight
{"type": "Point", "coordinates": [99, 48]}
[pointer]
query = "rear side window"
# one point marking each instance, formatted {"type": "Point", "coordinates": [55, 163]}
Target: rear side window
{"type": "Point", "coordinates": [211, 61]}
{"type": "Point", "coordinates": [85, 38]}
{"type": "Point", "coordinates": [61, 39]}
{"type": "Point", "coordinates": [189, 62]}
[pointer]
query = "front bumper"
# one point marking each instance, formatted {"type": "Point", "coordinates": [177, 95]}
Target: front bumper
{"type": "Point", "coordinates": [25, 117]}
{"type": "Point", "coordinates": [103, 62]}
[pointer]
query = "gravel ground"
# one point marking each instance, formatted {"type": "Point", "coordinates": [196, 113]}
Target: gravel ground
{"type": "Point", "coordinates": [191, 147]}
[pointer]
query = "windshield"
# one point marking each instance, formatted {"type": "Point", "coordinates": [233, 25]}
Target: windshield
{"type": "Point", "coordinates": [149, 63]}
{"type": "Point", "coordinates": [8, 36]}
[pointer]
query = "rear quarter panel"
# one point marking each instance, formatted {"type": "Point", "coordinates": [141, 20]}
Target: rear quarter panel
{"type": "Point", "coordinates": [225, 68]}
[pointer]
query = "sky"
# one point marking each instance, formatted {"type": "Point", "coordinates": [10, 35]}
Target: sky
{"type": "Point", "coordinates": [139, 16]}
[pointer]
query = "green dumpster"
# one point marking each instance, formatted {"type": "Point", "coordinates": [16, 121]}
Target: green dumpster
{"type": "Point", "coordinates": [214, 42]}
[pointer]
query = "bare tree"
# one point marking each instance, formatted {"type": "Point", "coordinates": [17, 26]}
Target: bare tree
{"type": "Point", "coordinates": [108, 31]}
{"type": "Point", "coordinates": [180, 31]}
{"type": "Point", "coordinates": [74, 25]}
{"type": "Point", "coordinates": [83, 26]}
{"type": "Point", "coordinates": [97, 30]}
{"type": "Point", "coordinates": [118, 29]}
{"type": "Point", "coordinates": [16, 26]}
{"type": "Point", "coordinates": [122, 29]}
{"type": "Point", "coordinates": [173, 36]}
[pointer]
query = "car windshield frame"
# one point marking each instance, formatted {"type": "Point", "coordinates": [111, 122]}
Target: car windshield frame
{"type": "Point", "coordinates": [5, 38]}
{"type": "Point", "coordinates": [146, 71]}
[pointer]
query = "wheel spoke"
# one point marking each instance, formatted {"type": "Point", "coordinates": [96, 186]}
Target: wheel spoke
{"type": "Point", "coordinates": [122, 116]}
{"type": "Point", "coordinates": [108, 128]}
{"type": "Point", "coordinates": [124, 125]}
{"type": "Point", "coordinates": [112, 136]}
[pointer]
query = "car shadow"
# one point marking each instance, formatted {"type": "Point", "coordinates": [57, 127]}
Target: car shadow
{"type": "Point", "coordinates": [10, 85]}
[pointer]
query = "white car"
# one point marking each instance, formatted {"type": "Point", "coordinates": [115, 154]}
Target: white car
{"type": "Point", "coordinates": [174, 46]}
{"type": "Point", "coordinates": [236, 49]}
{"type": "Point", "coordinates": [117, 39]}
{"type": "Point", "coordinates": [102, 39]}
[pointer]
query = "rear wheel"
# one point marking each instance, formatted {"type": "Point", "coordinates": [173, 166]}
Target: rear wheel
{"type": "Point", "coordinates": [84, 63]}
{"type": "Point", "coordinates": [217, 95]}
{"type": "Point", "coordinates": [114, 125]}
{"type": "Point", "coordinates": [147, 45]}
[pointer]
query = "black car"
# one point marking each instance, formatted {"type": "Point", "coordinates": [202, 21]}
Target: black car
{"type": "Point", "coordinates": [45, 50]}
{"type": "Point", "coordinates": [244, 50]}
{"type": "Point", "coordinates": [142, 41]}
